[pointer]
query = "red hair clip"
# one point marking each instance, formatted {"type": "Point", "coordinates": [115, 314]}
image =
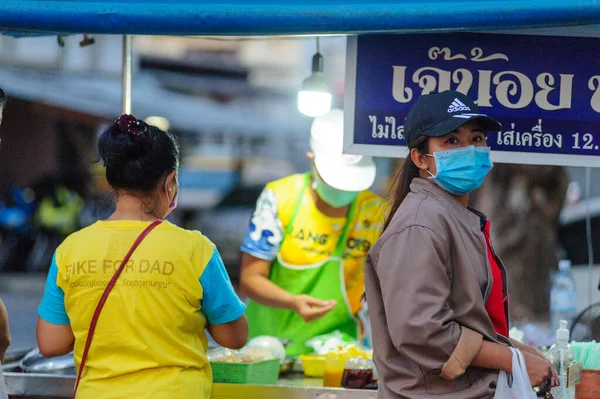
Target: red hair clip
{"type": "Point", "coordinates": [128, 124]}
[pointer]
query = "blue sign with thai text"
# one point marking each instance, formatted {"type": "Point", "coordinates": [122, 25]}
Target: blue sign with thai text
{"type": "Point", "coordinates": [545, 90]}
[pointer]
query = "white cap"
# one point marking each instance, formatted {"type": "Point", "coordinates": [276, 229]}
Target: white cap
{"type": "Point", "coordinates": [343, 172]}
{"type": "Point", "coordinates": [564, 264]}
{"type": "Point", "coordinates": [563, 332]}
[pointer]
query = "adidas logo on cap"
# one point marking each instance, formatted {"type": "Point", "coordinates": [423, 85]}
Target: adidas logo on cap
{"type": "Point", "coordinates": [457, 105]}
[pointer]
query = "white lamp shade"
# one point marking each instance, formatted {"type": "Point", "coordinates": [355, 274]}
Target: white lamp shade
{"type": "Point", "coordinates": [314, 103]}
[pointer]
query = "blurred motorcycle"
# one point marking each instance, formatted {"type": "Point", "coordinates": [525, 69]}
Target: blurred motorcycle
{"type": "Point", "coordinates": [56, 217]}
{"type": "Point", "coordinates": [16, 231]}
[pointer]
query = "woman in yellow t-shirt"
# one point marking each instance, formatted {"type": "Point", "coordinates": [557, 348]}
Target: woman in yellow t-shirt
{"type": "Point", "coordinates": [149, 341]}
{"type": "Point", "coordinates": [303, 256]}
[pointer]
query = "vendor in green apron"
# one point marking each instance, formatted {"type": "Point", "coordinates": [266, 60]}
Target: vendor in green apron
{"type": "Point", "coordinates": [304, 252]}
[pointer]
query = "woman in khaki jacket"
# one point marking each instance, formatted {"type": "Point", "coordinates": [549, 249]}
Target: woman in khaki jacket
{"type": "Point", "coordinates": [436, 290]}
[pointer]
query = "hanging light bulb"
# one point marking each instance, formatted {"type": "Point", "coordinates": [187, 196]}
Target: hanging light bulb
{"type": "Point", "coordinates": [314, 98]}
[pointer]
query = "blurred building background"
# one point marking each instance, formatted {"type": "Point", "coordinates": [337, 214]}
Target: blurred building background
{"type": "Point", "coordinates": [230, 101]}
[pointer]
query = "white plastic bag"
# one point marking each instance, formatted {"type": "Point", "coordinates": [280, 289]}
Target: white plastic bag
{"type": "Point", "coordinates": [521, 385]}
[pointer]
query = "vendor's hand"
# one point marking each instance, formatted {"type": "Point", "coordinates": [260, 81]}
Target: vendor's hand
{"type": "Point", "coordinates": [310, 308]}
{"type": "Point", "coordinates": [539, 370]}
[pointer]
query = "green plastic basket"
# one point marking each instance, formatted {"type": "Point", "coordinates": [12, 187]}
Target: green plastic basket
{"type": "Point", "coordinates": [265, 372]}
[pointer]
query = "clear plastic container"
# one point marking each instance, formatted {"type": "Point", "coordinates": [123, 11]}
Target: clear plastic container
{"type": "Point", "coordinates": [358, 373]}
{"type": "Point", "coordinates": [334, 368]}
{"type": "Point", "coordinates": [222, 355]}
{"type": "Point", "coordinates": [335, 362]}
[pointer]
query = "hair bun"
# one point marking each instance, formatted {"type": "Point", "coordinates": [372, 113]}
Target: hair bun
{"type": "Point", "coordinates": [128, 124]}
{"type": "Point", "coordinates": [127, 140]}
{"type": "Point", "coordinates": [137, 155]}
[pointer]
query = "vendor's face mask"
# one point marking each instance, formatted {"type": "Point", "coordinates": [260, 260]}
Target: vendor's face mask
{"type": "Point", "coordinates": [334, 197]}
{"type": "Point", "coordinates": [461, 170]}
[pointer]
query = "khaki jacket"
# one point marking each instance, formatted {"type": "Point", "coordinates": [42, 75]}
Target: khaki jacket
{"type": "Point", "coordinates": [427, 281]}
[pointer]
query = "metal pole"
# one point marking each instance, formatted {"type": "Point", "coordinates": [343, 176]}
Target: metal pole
{"type": "Point", "coordinates": [126, 78]}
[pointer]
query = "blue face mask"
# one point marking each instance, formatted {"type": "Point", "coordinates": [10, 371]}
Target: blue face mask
{"type": "Point", "coordinates": [334, 197]}
{"type": "Point", "coordinates": [462, 170]}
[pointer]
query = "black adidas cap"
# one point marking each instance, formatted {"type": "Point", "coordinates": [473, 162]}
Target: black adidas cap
{"type": "Point", "coordinates": [437, 114]}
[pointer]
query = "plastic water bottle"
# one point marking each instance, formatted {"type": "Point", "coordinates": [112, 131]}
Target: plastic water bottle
{"type": "Point", "coordinates": [561, 356]}
{"type": "Point", "coordinates": [363, 315]}
{"type": "Point", "coordinates": [563, 296]}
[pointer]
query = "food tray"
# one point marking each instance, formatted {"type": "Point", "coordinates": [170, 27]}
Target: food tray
{"type": "Point", "coordinates": [265, 372]}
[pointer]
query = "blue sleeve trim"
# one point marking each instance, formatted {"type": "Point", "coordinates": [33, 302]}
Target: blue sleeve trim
{"type": "Point", "coordinates": [52, 308]}
{"type": "Point", "coordinates": [265, 233]}
{"type": "Point", "coordinates": [220, 303]}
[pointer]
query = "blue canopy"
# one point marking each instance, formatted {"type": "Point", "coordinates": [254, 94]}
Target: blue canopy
{"type": "Point", "coordinates": [286, 17]}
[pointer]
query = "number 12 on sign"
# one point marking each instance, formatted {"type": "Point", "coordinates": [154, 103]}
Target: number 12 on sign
{"type": "Point", "coordinates": [587, 139]}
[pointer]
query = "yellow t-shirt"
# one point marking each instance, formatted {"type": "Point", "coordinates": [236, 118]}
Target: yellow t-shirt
{"type": "Point", "coordinates": [149, 340]}
{"type": "Point", "coordinates": [314, 236]}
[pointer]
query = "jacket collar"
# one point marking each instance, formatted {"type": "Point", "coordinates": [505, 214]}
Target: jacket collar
{"type": "Point", "coordinates": [471, 215]}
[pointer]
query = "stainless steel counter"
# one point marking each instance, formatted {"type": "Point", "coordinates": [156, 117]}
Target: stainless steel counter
{"type": "Point", "coordinates": [292, 386]}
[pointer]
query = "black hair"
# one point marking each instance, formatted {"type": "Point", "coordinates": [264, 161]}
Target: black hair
{"type": "Point", "coordinates": [137, 156]}
{"type": "Point", "coordinates": [3, 99]}
{"type": "Point", "coordinates": [401, 186]}
{"type": "Point", "coordinates": [404, 177]}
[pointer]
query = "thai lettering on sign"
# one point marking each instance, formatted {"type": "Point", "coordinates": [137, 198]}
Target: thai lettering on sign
{"type": "Point", "coordinates": [545, 90]}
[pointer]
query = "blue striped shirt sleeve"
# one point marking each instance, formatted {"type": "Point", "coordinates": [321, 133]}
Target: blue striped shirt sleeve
{"type": "Point", "coordinates": [52, 308]}
{"type": "Point", "coordinates": [220, 303]}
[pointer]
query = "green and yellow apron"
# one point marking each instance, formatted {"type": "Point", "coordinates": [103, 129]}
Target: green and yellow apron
{"type": "Point", "coordinates": [324, 280]}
